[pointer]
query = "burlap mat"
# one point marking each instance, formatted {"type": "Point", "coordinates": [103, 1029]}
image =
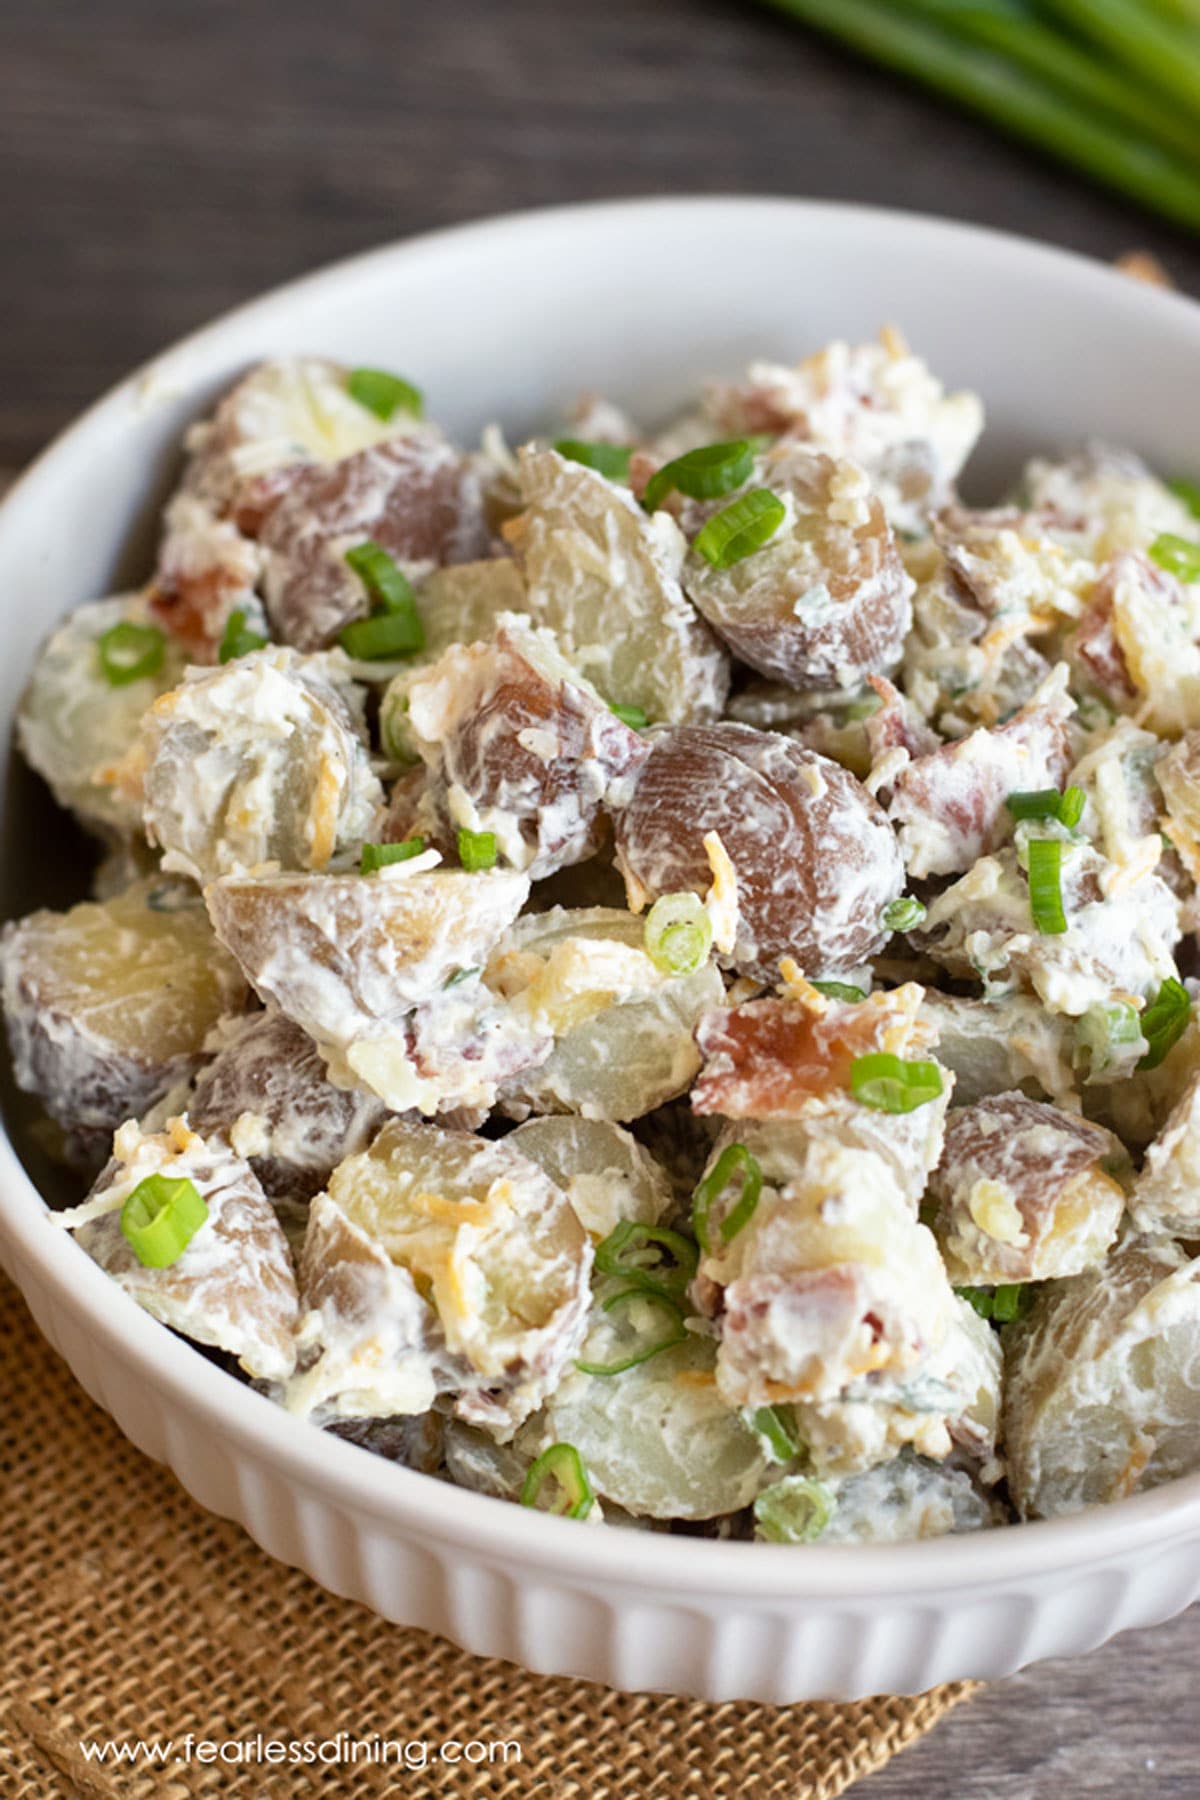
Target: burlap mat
{"type": "Point", "coordinates": [127, 1613]}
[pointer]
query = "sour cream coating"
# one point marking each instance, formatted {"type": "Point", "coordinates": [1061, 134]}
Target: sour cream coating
{"type": "Point", "coordinates": [471, 1141]}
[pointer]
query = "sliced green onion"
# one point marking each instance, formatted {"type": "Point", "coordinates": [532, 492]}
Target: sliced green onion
{"type": "Point", "coordinates": [633, 716]}
{"type": "Point", "coordinates": [890, 1084]}
{"type": "Point", "coordinates": [383, 393]}
{"type": "Point", "coordinates": [160, 1218]}
{"type": "Point", "coordinates": [795, 1510]}
{"type": "Point", "coordinates": [560, 1475]}
{"type": "Point", "coordinates": [1048, 803]}
{"type": "Point", "coordinates": [1011, 1300]}
{"type": "Point", "coordinates": [129, 652]}
{"type": "Point", "coordinates": [678, 934]}
{"type": "Point", "coordinates": [671, 1330]}
{"type": "Point", "coordinates": [649, 1256]}
{"type": "Point", "coordinates": [237, 640]}
{"type": "Point", "coordinates": [733, 1159]}
{"type": "Point", "coordinates": [903, 914]}
{"type": "Point", "coordinates": [702, 474]}
{"type": "Point", "coordinates": [839, 990]}
{"type": "Point", "coordinates": [741, 528]}
{"type": "Point", "coordinates": [1103, 1030]}
{"type": "Point", "coordinates": [1188, 492]}
{"type": "Point", "coordinates": [386, 583]}
{"type": "Point", "coordinates": [1164, 1021]}
{"type": "Point", "coordinates": [610, 460]}
{"type": "Point", "coordinates": [461, 975]}
{"type": "Point", "coordinates": [1177, 555]}
{"type": "Point", "coordinates": [1045, 886]}
{"type": "Point", "coordinates": [477, 850]}
{"type": "Point", "coordinates": [379, 856]}
{"type": "Point", "coordinates": [382, 637]}
{"type": "Point", "coordinates": [777, 1425]}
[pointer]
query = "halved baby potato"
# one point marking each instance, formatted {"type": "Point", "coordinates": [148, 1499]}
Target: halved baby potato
{"type": "Point", "coordinates": [108, 1005]}
{"type": "Point", "coordinates": [493, 1264]}
{"type": "Point", "coordinates": [604, 1172]}
{"type": "Point", "coordinates": [814, 859]}
{"type": "Point", "coordinates": [826, 601]}
{"type": "Point", "coordinates": [1025, 1192]}
{"type": "Point", "coordinates": [517, 743]}
{"type": "Point", "coordinates": [348, 957]}
{"type": "Point", "coordinates": [258, 762]}
{"type": "Point", "coordinates": [622, 1030]}
{"type": "Point", "coordinates": [74, 726]}
{"type": "Point", "coordinates": [1103, 1383]}
{"type": "Point", "coordinates": [233, 1285]}
{"type": "Point", "coordinates": [605, 577]}
{"type": "Point", "coordinates": [659, 1439]}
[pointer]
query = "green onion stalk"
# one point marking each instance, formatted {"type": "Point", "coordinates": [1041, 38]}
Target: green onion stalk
{"type": "Point", "coordinates": [1047, 106]}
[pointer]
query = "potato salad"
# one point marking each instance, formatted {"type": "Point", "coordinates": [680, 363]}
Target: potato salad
{"type": "Point", "coordinates": [647, 974]}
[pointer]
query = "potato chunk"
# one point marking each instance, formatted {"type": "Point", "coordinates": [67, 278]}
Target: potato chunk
{"type": "Point", "coordinates": [904, 1500]}
{"type": "Point", "coordinates": [825, 602]}
{"type": "Point", "coordinates": [830, 1280]}
{"type": "Point", "coordinates": [233, 1286]}
{"type": "Point", "coordinates": [659, 1440]}
{"type": "Point", "coordinates": [876, 402]}
{"type": "Point", "coordinates": [268, 1093]}
{"type": "Point", "coordinates": [1102, 1390]}
{"type": "Point", "coordinates": [415, 496]}
{"type": "Point", "coordinates": [260, 761]}
{"type": "Point", "coordinates": [1166, 1194]}
{"type": "Point", "coordinates": [348, 957]}
{"type": "Point", "coordinates": [1122, 928]}
{"type": "Point", "coordinates": [1025, 1192]}
{"type": "Point", "coordinates": [606, 579]}
{"type": "Point", "coordinates": [814, 858]}
{"type": "Point", "coordinates": [604, 1172]}
{"type": "Point", "coordinates": [950, 805]}
{"type": "Point", "coordinates": [74, 726]}
{"type": "Point", "coordinates": [108, 1006]}
{"type": "Point", "coordinates": [518, 744]}
{"type": "Point", "coordinates": [622, 1030]}
{"type": "Point", "coordinates": [494, 1271]}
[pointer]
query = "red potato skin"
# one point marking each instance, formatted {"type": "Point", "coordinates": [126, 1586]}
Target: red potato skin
{"type": "Point", "coordinates": [414, 496]}
{"type": "Point", "coordinates": [814, 856]}
{"type": "Point", "coordinates": [558, 806]}
{"type": "Point", "coordinates": [757, 606]}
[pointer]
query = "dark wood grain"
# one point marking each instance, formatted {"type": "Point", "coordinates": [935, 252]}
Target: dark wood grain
{"type": "Point", "coordinates": [163, 161]}
{"type": "Point", "coordinates": [160, 162]}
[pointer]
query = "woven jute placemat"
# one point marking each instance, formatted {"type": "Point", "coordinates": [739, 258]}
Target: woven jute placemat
{"type": "Point", "coordinates": [128, 1615]}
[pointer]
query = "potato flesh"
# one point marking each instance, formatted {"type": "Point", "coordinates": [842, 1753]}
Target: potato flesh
{"type": "Point", "coordinates": [604, 1172]}
{"type": "Point", "coordinates": [605, 578]}
{"type": "Point", "coordinates": [659, 1440]}
{"type": "Point", "coordinates": [108, 1005]}
{"type": "Point", "coordinates": [257, 762]}
{"type": "Point", "coordinates": [1103, 1382]}
{"type": "Point", "coordinates": [493, 1248]}
{"type": "Point", "coordinates": [619, 1052]}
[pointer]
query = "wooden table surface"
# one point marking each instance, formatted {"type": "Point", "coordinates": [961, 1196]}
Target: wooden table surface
{"type": "Point", "coordinates": [163, 161]}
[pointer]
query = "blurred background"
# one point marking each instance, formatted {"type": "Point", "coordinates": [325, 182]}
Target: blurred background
{"type": "Point", "coordinates": [163, 161]}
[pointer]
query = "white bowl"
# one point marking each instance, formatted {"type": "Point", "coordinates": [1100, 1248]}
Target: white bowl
{"type": "Point", "coordinates": [509, 320]}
